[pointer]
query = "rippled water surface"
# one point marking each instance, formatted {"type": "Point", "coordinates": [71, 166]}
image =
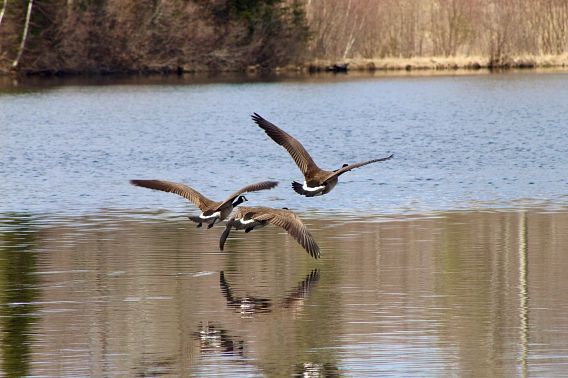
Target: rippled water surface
{"type": "Point", "coordinates": [448, 260]}
{"type": "Point", "coordinates": [453, 293]}
{"type": "Point", "coordinates": [459, 141]}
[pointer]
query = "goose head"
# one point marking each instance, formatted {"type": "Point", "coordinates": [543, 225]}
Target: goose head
{"type": "Point", "coordinates": [343, 166]}
{"type": "Point", "coordinates": [239, 200]}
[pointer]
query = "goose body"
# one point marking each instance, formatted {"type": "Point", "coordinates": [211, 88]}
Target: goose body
{"type": "Point", "coordinates": [212, 212]}
{"type": "Point", "coordinates": [316, 189]}
{"type": "Point", "coordinates": [250, 218]}
{"type": "Point", "coordinates": [317, 181]}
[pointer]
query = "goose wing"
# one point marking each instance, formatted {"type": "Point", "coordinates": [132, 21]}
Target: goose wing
{"type": "Point", "coordinates": [301, 157]}
{"type": "Point", "coordinates": [342, 170]}
{"type": "Point", "coordinates": [185, 191]}
{"type": "Point", "coordinates": [249, 188]}
{"type": "Point", "coordinates": [294, 226]}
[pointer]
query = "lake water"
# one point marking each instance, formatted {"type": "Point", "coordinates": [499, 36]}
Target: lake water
{"type": "Point", "coordinates": [449, 259]}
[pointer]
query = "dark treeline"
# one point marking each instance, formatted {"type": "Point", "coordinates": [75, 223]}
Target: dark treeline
{"type": "Point", "coordinates": [151, 35]}
{"type": "Point", "coordinates": [219, 35]}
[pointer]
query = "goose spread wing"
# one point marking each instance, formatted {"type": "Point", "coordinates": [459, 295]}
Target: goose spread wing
{"type": "Point", "coordinates": [341, 171]}
{"type": "Point", "coordinates": [296, 229]}
{"type": "Point", "coordinates": [185, 191]}
{"type": "Point", "coordinates": [249, 188]}
{"type": "Point", "coordinates": [301, 157]}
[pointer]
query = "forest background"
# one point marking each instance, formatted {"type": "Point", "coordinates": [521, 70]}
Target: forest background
{"type": "Point", "coordinates": [107, 36]}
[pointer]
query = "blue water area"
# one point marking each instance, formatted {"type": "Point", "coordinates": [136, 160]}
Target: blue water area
{"type": "Point", "coordinates": [459, 141]}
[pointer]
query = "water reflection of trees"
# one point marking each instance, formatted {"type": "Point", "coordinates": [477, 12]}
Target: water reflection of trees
{"type": "Point", "coordinates": [19, 291]}
{"type": "Point", "coordinates": [457, 292]}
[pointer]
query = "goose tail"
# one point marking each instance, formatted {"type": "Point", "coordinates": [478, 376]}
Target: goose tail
{"type": "Point", "coordinates": [299, 188]}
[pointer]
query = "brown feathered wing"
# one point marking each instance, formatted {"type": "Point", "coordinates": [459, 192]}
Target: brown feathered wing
{"type": "Point", "coordinates": [294, 226]}
{"type": "Point", "coordinates": [301, 157]}
{"type": "Point", "coordinates": [249, 188]}
{"type": "Point", "coordinates": [198, 199]}
{"type": "Point", "coordinates": [342, 170]}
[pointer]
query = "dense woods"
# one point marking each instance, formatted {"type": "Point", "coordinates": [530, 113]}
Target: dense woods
{"type": "Point", "coordinates": [211, 35]}
{"type": "Point", "coordinates": [152, 35]}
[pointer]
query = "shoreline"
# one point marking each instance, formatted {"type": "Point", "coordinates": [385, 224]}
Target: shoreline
{"type": "Point", "coordinates": [423, 64]}
{"type": "Point", "coordinates": [110, 214]}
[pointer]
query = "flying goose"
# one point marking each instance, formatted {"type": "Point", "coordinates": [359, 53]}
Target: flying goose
{"type": "Point", "coordinates": [212, 212]}
{"type": "Point", "coordinates": [317, 181]}
{"type": "Point", "coordinates": [249, 218]}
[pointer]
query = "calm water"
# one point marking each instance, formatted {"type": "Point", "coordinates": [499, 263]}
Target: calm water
{"type": "Point", "coordinates": [456, 293]}
{"type": "Point", "coordinates": [459, 142]}
{"type": "Point", "coordinates": [449, 260]}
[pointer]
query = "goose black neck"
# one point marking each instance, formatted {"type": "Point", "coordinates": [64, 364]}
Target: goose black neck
{"type": "Point", "coordinates": [238, 201]}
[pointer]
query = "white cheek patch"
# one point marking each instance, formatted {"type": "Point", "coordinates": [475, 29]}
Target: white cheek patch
{"type": "Point", "coordinates": [308, 189]}
{"type": "Point", "coordinates": [216, 214]}
{"type": "Point", "coordinates": [246, 221]}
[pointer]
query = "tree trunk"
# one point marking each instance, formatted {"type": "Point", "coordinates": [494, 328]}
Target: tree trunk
{"type": "Point", "coordinates": [24, 35]}
{"type": "Point", "coordinates": [3, 11]}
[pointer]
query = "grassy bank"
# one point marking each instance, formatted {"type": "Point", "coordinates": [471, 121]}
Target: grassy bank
{"type": "Point", "coordinates": [436, 63]}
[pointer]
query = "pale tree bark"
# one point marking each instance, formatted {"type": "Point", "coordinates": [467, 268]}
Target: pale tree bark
{"type": "Point", "coordinates": [3, 10]}
{"type": "Point", "coordinates": [24, 34]}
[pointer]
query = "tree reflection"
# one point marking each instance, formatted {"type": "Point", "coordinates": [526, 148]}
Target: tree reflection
{"type": "Point", "coordinates": [463, 291]}
{"type": "Point", "coordinates": [19, 292]}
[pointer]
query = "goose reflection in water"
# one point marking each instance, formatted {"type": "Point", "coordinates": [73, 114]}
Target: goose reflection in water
{"type": "Point", "coordinates": [312, 369]}
{"type": "Point", "coordinates": [248, 305]}
{"type": "Point", "coordinates": [153, 365]}
{"type": "Point", "coordinates": [215, 339]}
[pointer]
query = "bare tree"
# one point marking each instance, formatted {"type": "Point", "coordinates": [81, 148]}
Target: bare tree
{"type": "Point", "coordinates": [24, 34]}
{"type": "Point", "coordinates": [169, 35]}
{"type": "Point", "coordinates": [4, 4]}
